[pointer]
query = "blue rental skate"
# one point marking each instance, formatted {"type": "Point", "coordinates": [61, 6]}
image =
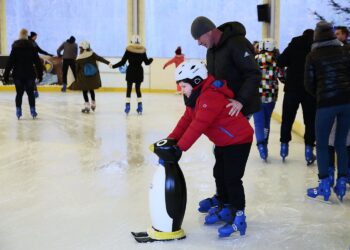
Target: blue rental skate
{"type": "Point", "coordinates": [223, 213]}
{"type": "Point", "coordinates": [309, 155]}
{"type": "Point", "coordinates": [323, 189]}
{"type": "Point", "coordinates": [33, 112]}
{"type": "Point", "coordinates": [340, 188]}
{"type": "Point", "coordinates": [139, 108]}
{"type": "Point", "coordinates": [64, 88]}
{"type": "Point", "coordinates": [238, 225]}
{"type": "Point", "coordinates": [18, 112]}
{"type": "Point", "coordinates": [284, 150]}
{"type": "Point", "coordinates": [127, 108]}
{"type": "Point", "coordinates": [262, 147]}
{"type": "Point", "coordinates": [206, 204]}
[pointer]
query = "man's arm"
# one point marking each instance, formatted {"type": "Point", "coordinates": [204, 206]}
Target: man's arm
{"type": "Point", "coordinates": [309, 77]}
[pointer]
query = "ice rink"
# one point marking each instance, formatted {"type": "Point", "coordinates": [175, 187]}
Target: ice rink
{"type": "Point", "coordinates": [80, 181]}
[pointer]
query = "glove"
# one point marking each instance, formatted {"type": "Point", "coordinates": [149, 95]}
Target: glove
{"type": "Point", "coordinates": [150, 60]}
{"type": "Point", "coordinates": [36, 94]}
{"type": "Point", "coordinates": [110, 65]}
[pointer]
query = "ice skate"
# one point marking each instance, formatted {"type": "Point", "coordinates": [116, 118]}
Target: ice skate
{"type": "Point", "coordinates": [262, 147]}
{"type": "Point", "coordinates": [93, 105]}
{"type": "Point", "coordinates": [86, 108]}
{"type": "Point", "coordinates": [64, 88]}
{"type": "Point", "coordinates": [284, 150]}
{"type": "Point", "coordinates": [127, 108]}
{"type": "Point", "coordinates": [309, 155]}
{"type": "Point", "coordinates": [206, 204]}
{"type": "Point", "coordinates": [238, 225]}
{"type": "Point", "coordinates": [323, 190]}
{"type": "Point", "coordinates": [33, 112]}
{"type": "Point", "coordinates": [139, 108]}
{"type": "Point", "coordinates": [340, 188]}
{"type": "Point", "coordinates": [18, 112]}
{"type": "Point", "coordinates": [223, 213]}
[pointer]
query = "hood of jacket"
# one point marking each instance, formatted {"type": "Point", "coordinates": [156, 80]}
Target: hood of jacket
{"type": "Point", "coordinates": [136, 48]}
{"type": "Point", "coordinates": [230, 29]}
{"type": "Point", "coordinates": [85, 54]}
{"type": "Point", "coordinates": [216, 85]}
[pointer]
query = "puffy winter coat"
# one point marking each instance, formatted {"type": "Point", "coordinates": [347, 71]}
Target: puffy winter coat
{"type": "Point", "coordinates": [177, 60]}
{"type": "Point", "coordinates": [22, 59]}
{"type": "Point", "coordinates": [210, 117]}
{"type": "Point", "coordinates": [327, 74]}
{"type": "Point", "coordinates": [88, 75]}
{"type": "Point", "coordinates": [232, 59]}
{"type": "Point", "coordinates": [135, 54]}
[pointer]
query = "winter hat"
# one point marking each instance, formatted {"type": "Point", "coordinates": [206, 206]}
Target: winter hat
{"type": "Point", "coordinates": [84, 45]}
{"type": "Point", "coordinates": [178, 51]}
{"type": "Point", "coordinates": [32, 34]}
{"type": "Point", "coordinates": [324, 32]}
{"type": "Point", "coordinates": [200, 26]}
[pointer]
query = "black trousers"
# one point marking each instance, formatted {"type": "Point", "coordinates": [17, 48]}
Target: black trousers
{"type": "Point", "coordinates": [291, 101]}
{"type": "Point", "coordinates": [86, 97]}
{"type": "Point", "coordinates": [68, 63]}
{"type": "Point", "coordinates": [137, 88]}
{"type": "Point", "coordinates": [228, 172]}
{"type": "Point", "coordinates": [25, 86]}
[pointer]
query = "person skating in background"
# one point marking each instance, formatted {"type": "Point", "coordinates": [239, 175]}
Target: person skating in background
{"type": "Point", "coordinates": [206, 101]}
{"type": "Point", "coordinates": [230, 56]}
{"type": "Point", "coordinates": [327, 77]}
{"type": "Point", "coordinates": [266, 59]}
{"type": "Point", "coordinates": [342, 33]}
{"type": "Point", "coordinates": [135, 55]}
{"type": "Point", "coordinates": [88, 76]}
{"type": "Point", "coordinates": [177, 60]}
{"type": "Point", "coordinates": [70, 52]}
{"type": "Point", "coordinates": [293, 57]}
{"type": "Point", "coordinates": [21, 60]}
{"type": "Point", "coordinates": [32, 37]}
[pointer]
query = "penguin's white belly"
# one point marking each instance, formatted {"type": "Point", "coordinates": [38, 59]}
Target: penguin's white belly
{"type": "Point", "coordinates": [160, 219]}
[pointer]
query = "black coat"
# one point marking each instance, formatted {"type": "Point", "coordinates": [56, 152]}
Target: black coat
{"type": "Point", "coordinates": [135, 55]}
{"type": "Point", "coordinates": [327, 75]}
{"type": "Point", "coordinates": [232, 59]}
{"type": "Point", "coordinates": [22, 59]}
{"type": "Point", "coordinates": [293, 57]}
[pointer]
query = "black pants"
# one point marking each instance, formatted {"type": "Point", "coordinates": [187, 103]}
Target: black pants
{"type": "Point", "coordinates": [291, 101]}
{"type": "Point", "coordinates": [228, 172]}
{"type": "Point", "coordinates": [28, 87]}
{"type": "Point", "coordinates": [86, 97]}
{"type": "Point", "coordinates": [68, 63]}
{"type": "Point", "coordinates": [137, 88]}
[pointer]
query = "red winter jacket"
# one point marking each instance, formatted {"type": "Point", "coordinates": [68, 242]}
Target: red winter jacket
{"type": "Point", "coordinates": [210, 117]}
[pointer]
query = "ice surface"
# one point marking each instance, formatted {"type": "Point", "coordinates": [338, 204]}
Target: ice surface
{"type": "Point", "coordinates": [76, 181]}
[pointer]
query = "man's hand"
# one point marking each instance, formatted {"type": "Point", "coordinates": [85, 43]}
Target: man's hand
{"type": "Point", "coordinates": [236, 107]}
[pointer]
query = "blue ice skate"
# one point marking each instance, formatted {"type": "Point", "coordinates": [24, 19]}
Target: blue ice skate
{"type": "Point", "coordinates": [323, 189]}
{"type": "Point", "coordinates": [239, 225]}
{"type": "Point", "coordinates": [340, 188]}
{"type": "Point", "coordinates": [224, 213]}
{"type": "Point", "coordinates": [206, 204]}
{"type": "Point", "coordinates": [18, 112]}
{"type": "Point", "coordinates": [139, 108]}
{"type": "Point", "coordinates": [262, 147]}
{"type": "Point", "coordinates": [127, 108]}
{"type": "Point", "coordinates": [284, 150]}
{"type": "Point", "coordinates": [33, 112]}
{"type": "Point", "coordinates": [309, 155]}
{"type": "Point", "coordinates": [64, 88]}
{"type": "Point", "coordinates": [331, 175]}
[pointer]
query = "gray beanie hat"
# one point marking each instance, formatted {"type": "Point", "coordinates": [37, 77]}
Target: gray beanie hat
{"type": "Point", "coordinates": [200, 26]}
{"type": "Point", "coordinates": [324, 32]}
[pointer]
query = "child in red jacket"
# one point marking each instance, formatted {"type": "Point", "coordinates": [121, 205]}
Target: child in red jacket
{"type": "Point", "coordinates": [206, 113]}
{"type": "Point", "coordinates": [177, 60]}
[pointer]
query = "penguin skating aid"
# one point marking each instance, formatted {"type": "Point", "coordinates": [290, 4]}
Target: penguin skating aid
{"type": "Point", "coordinates": [167, 197]}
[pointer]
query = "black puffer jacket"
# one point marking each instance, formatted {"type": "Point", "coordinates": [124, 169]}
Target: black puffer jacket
{"type": "Point", "coordinates": [293, 57]}
{"type": "Point", "coordinates": [327, 75]}
{"type": "Point", "coordinates": [22, 59]}
{"type": "Point", "coordinates": [232, 59]}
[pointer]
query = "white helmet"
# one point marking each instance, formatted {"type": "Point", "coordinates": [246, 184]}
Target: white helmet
{"type": "Point", "coordinates": [268, 44]}
{"type": "Point", "coordinates": [84, 45]}
{"type": "Point", "coordinates": [135, 39]}
{"type": "Point", "coordinates": [192, 72]}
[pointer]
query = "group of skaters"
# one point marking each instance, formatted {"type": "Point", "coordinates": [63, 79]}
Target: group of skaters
{"type": "Point", "coordinates": [237, 82]}
{"type": "Point", "coordinates": [24, 55]}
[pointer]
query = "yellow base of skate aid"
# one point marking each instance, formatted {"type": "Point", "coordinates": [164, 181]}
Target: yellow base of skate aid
{"type": "Point", "coordinates": [180, 234]}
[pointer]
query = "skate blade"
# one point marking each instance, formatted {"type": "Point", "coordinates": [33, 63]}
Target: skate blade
{"type": "Point", "coordinates": [319, 199]}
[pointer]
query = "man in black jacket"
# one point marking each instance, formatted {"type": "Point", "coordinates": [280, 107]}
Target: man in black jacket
{"type": "Point", "coordinates": [32, 37]}
{"type": "Point", "coordinates": [230, 56]}
{"type": "Point", "coordinates": [293, 57]}
{"type": "Point", "coordinates": [22, 58]}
